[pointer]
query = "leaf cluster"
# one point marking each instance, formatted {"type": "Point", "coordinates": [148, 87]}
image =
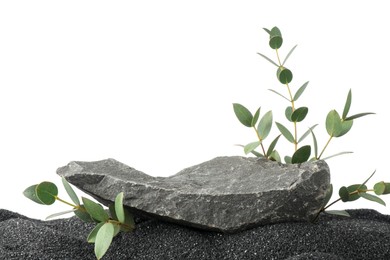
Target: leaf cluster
{"type": "Point", "coordinates": [109, 224]}
{"type": "Point", "coordinates": [336, 124]}
{"type": "Point", "coordinates": [354, 192]}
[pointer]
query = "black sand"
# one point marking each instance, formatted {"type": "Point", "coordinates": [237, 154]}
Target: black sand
{"type": "Point", "coordinates": [366, 235]}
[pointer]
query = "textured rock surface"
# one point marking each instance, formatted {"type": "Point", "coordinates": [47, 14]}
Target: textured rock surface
{"type": "Point", "coordinates": [366, 235]}
{"type": "Point", "coordinates": [226, 194]}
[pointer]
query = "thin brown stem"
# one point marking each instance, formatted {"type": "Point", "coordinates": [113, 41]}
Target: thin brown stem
{"type": "Point", "coordinates": [326, 145]}
{"type": "Point", "coordinates": [67, 203]}
{"type": "Point", "coordinates": [261, 142]}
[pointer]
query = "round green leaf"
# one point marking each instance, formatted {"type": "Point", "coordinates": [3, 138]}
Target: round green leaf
{"type": "Point", "coordinates": [288, 112]}
{"type": "Point", "coordinates": [120, 214]}
{"type": "Point", "coordinates": [287, 159]}
{"type": "Point", "coordinates": [299, 114]}
{"type": "Point", "coordinates": [243, 114]}
{"type": "Point", "coordinates": [284, 75]}
{"type": "Point", "coordinates": [354, 188]}
{"type": "Point", "coordinates": [103, 239]}
{"type": "Point", "coordinates": [382, 188]}
{"type": "Point", "coordinates": [30, 193]}
{"type": "Point", "coordinates": [265, 125]}
{"type": "Point", "coordinates": [276, 40]}
{"type": "Point", "coordinates": [46, 192]}
{"type": "Point", "coordinates": [95, 210]}
{"type": "Point", "coordinates": [333, 123]}
{"type": "Point", "coordinates": [379, 188]}
{"type": "Point", "coordinates": [345, 127]}
{"type": "Point", "coordinates": [301, 155]}
{"type": "Point", "coordinates": [344, 194]}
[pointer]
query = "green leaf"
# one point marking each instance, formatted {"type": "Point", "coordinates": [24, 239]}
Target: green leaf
{"type": "Point", "coordinates": [103, 239]}
{"type": "Point", "coordinates": [299, 114]}
{"type": "Point", "coordinates": [265, 125]}
{"type": "Point", "coordinates": [288, 55]}
{"type": "Point", "coordinates": [354, 188]}
{"type": "Point", "coordinates": [46, 192]}
{"type": "Point", "coordinates": [284, 75]}
{"type": "Point", "coordinates": [287, 159]}
{"type": "Point", "coordinates": [92, 235]}
{"type": "Point", "coordinates": [345, 127]}
{"type": "Point", "coordinates": [70, 192]}
{"type": "Point", "coordinates": [268, 31]}
{"type": "Point", "coordinates": [338, 212]}
{"type": "Point", "coordinates": [382, 188]}
{"type": "Point", "coordinates": [288, 112]}
{"type": "Point", "coordinates": [301, 155]}
{"type": "Point", "coordinates": [372, 174]}
{"type": "Point", "coordinates": [243, 114]}
{"type": "Point", "coordinates": [334, 155]}
{"type": "Point", "coordinates": [30, 193]}
{"type": "Point", "coordinates": [60, 214]}
{"type": "Point", "coordinates": [272, 146]}
{"type": "Point", "coordinates": [344, 194]}
{"type": "Point", "coordinates": [268, 59]}
{"type": "Point", "coordinates": [306, 133]}
{"type": "Point", "coordinates": [111, 208]}
{"type": "Point", "coordinates": [129, 222]}
{"type": "Point", "coordinates": [373, 198]}
{"type": "Point", "coordinates": [274, 156]}
{"type": "Point", "coordinates": [347, 105]}
{"type": "Point", "coordinates": [276, 40]}
{"type": "Point", "coordinates": [358, 115]}
{"type": "Point", "coordinates": [117, 229]}
{"type": "Point", "coordinates": [379, 188]}
{"type": "Point", "coordinates": [82, 214]}
{"type": "Point", "coordinates": [279, 94]}
{"type": "Point", "coordinates": [285, 132]}
{"type": "Point", "coordinates": [257, 154]}
{"type": "Point", "coordinates": [251, 146]}
{"type": "Point", "coordinates": [314, 144]}
{"type": "Point", "coordinates": [255, 117]}
{"type": "Point", "coordinates": [300, 91]}
{"type": "Point", "coordinates": [333, 123]}
{"type": "Point", "coordinates": [119, 208]}
{"type": "Point", "coordinates": [275, 32]}
{"type": "Point", "coordinates": [95, 210]}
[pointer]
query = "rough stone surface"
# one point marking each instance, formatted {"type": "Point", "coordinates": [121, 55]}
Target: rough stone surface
{"type": "Point", "coordinates": [227, 194]}
{"type": "Point", "coordinates": [366, 235]}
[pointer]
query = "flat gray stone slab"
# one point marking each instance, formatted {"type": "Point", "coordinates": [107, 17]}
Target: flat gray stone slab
{"type": "Point", "coordinates": [227, 194]}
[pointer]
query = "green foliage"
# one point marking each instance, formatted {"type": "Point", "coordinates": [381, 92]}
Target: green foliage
{"type": "Point", "coordinates": [243, 114]}
{"type": "Point", "coordinates": [301, 155]}
{"type": "Point", "coordinates": [335, 125]}
{"type": "Point", "coordinates": [108, 225]}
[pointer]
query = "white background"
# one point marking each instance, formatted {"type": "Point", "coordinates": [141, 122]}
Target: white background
{"type": "Point", "coordinates": [151, 84]}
